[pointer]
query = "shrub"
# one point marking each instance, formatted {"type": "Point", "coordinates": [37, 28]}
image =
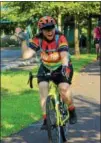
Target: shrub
{"type": "Point", "coordinates": [7, 42]}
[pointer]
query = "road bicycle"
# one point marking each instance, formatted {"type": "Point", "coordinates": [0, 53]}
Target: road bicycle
{"type": "Point", "coordinates": [56, 111]}
{"type": "Point", "coordinates": [99, 52]}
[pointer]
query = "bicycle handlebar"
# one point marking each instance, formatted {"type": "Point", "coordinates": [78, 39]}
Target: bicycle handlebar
{"type": "Point", "coordinates": [31, 76]}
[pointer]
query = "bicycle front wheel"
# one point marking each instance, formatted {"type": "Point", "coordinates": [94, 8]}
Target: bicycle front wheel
{"type": "Point", "coordinates": [64, 132]}
{"type": "Point", "coordinates": [54, 131]}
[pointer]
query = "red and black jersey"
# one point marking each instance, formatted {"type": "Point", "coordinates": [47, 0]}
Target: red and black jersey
{"type": "Point", "coordinates": [50, 50]}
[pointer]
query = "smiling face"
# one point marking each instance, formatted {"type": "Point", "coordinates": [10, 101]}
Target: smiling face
{"type": "Point", "coordinates": [49, 32]}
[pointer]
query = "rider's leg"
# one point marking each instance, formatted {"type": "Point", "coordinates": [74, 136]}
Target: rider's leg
{"type": "Point", "coordinates": [66, 94]}
{"type": "Point", "coordinates": [65, 91]}
{"type": "Point", "coordinates": [43, 89]}
{"type": "Point", "coordinates": [97, 50]}
{"type": "Point", "coordinates": [43, 83]}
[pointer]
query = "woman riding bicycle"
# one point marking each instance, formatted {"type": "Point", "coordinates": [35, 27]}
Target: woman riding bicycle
{"type": "Point", "coordinates": [97, 38]}
{"type": "Point", "coordinates": [53, 48]}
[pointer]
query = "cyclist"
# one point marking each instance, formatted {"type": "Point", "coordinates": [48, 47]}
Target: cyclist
{"type": "Point", "coordinates": [97, 38]}
{"type": "Point", "coordinates": [54, 55]}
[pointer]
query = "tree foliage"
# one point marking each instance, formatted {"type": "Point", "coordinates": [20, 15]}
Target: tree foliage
{"type": "Point", "coordinates": [21, 11]}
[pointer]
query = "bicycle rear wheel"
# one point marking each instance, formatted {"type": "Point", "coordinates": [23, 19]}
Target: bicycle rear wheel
{"type": "Point", "coordinates": [54, 132]}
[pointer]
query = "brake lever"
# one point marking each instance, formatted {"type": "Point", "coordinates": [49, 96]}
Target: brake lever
{"type": "Point", "coordinates": [30, 80]}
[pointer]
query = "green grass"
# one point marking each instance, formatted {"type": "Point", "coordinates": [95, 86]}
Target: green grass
{"type": "Point", "coordinates": [20, 105]}
{"type": "Point", "coordinates": [82, 61]}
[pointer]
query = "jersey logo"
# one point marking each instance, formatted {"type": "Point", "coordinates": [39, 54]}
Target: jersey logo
{"type": "Point", "coordinates": [50, 58]}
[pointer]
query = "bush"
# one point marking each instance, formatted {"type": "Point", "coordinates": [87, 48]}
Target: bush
{"type": "Point", "coordinates": [71, 44]}
{"type": "Point", "coordinates": [7, 42]}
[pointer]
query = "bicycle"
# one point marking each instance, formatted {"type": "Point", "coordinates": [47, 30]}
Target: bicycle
{"type": "Point", "coordinates": [99, 52]}
{"type": "Point", "coordinates": [57, 113]}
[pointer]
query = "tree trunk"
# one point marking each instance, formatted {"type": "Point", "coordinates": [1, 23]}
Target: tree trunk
{"type": "Point", "coordinates": [89, 36]}
{"type": "Point", "coordinates": [59, 22]}
{"type": "Point", "coordinates": [100, 10]}
{"type": "Point", "coordinates": [76, 37]}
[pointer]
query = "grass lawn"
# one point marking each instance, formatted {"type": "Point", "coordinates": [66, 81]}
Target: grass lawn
{"type": "Point", "coordinates": [82, 61]}
{"type": "Point", "coordinates": [20, 105]}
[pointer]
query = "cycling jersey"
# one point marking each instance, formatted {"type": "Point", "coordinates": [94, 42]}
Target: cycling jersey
{"type": "Point", "coordinates": [50, 50]}
{"type": "Point", "coordinates": [97, 32]}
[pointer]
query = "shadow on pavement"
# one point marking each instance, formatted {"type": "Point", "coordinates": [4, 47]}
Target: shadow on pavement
{"type": "Point", "coordinates": [87, 130]}
{"type": "Point", "coordinates": [92, 68]}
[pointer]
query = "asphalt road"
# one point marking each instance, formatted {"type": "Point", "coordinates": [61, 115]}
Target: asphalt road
{"type": "Point", "coordinates": [86, 91]}
{"type": "Point", "coordinates": [7, 56]}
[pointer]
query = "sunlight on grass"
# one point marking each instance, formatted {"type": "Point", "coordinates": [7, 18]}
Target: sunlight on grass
{"type": "Point", "coordinates": [16, 83]}
{"type": "Point", "coordinates": [84, 59]}
{"type": "Point", "coordinates": [6, 125]}
{"type": "Point", "coordinates": [20, 105]}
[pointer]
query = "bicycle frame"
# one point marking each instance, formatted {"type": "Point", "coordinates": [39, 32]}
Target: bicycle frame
{"type": "Point", "coordinates": [53, 91]}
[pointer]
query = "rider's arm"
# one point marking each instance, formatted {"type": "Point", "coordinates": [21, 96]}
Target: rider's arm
{"type": "Point", "coordinates": [63, 49]}
{"type": "Point", "coordinates": [94, 34]}
{"type": "Point", "coordinates": [27, 51]}
{"type": "Point", "coordinates": [32, 49]}
{"type": "Point", "coordinates": [64, 58]}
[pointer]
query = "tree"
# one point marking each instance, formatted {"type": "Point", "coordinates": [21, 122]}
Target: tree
{"type": "Point", "coordinates": [79, 10]}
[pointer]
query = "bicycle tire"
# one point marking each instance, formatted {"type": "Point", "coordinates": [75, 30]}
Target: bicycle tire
{"type": "Point", "coordinates": [54, 132]}
{"type": "Point", "coordinates": [64, 132]}
{"type": "Point", "coordinates": [64, 128]}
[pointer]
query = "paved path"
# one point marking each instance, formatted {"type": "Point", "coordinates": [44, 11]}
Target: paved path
{"type": "Point", "coordinates": [7, 56]}
{"type": "Point", "coordinates": [86, 91]}
{"type": "Point", "coordinates": [12, 59]}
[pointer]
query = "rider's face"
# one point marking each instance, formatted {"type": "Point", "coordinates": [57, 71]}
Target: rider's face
{"type": "Point", "coordinates": [49, 33]}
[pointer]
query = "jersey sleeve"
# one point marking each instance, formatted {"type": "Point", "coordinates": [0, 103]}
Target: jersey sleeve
{"type": "Point", "coordinates": [34, 44]}
{"type": "Point", "coordinates": [94, 31]}
{"type": "Point", "coordinates": [63, 44]}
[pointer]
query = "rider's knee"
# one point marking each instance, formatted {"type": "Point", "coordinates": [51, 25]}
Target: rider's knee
{"type": "Point", "coordinates": [97, 47]}
{"type": "Point", "coordinates": [43, 88]}
{"type": "Point", "coordinates": [43, 85]}
{"type": "Point", "coordinates": [64, 88]}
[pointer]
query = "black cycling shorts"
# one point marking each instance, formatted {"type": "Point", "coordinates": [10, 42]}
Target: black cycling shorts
{"type": "Point", "coordinates": [96, 41]}
{"type": "Point", "coordinates": [56, 75]}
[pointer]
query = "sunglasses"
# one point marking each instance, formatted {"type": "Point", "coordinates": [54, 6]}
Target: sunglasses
{"type": "Point", "coordinates": [49, 28]}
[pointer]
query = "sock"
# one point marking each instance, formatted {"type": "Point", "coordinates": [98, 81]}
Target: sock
{"type": "Point", "coordinates": [71, 108]}
{"type": "Point", "coordinates": [44, 116]}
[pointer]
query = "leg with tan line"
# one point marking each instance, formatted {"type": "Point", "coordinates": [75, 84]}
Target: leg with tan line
{"type": "Point", "coordinates": [43, 89]}
{"type": "Point", "coordinates": [66, 94]}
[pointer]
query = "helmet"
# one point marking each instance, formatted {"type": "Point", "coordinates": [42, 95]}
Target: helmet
{"type": "Point", "coordinates": [45, 22]}
{"type": "Point", "coordinates": [99, 23]}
